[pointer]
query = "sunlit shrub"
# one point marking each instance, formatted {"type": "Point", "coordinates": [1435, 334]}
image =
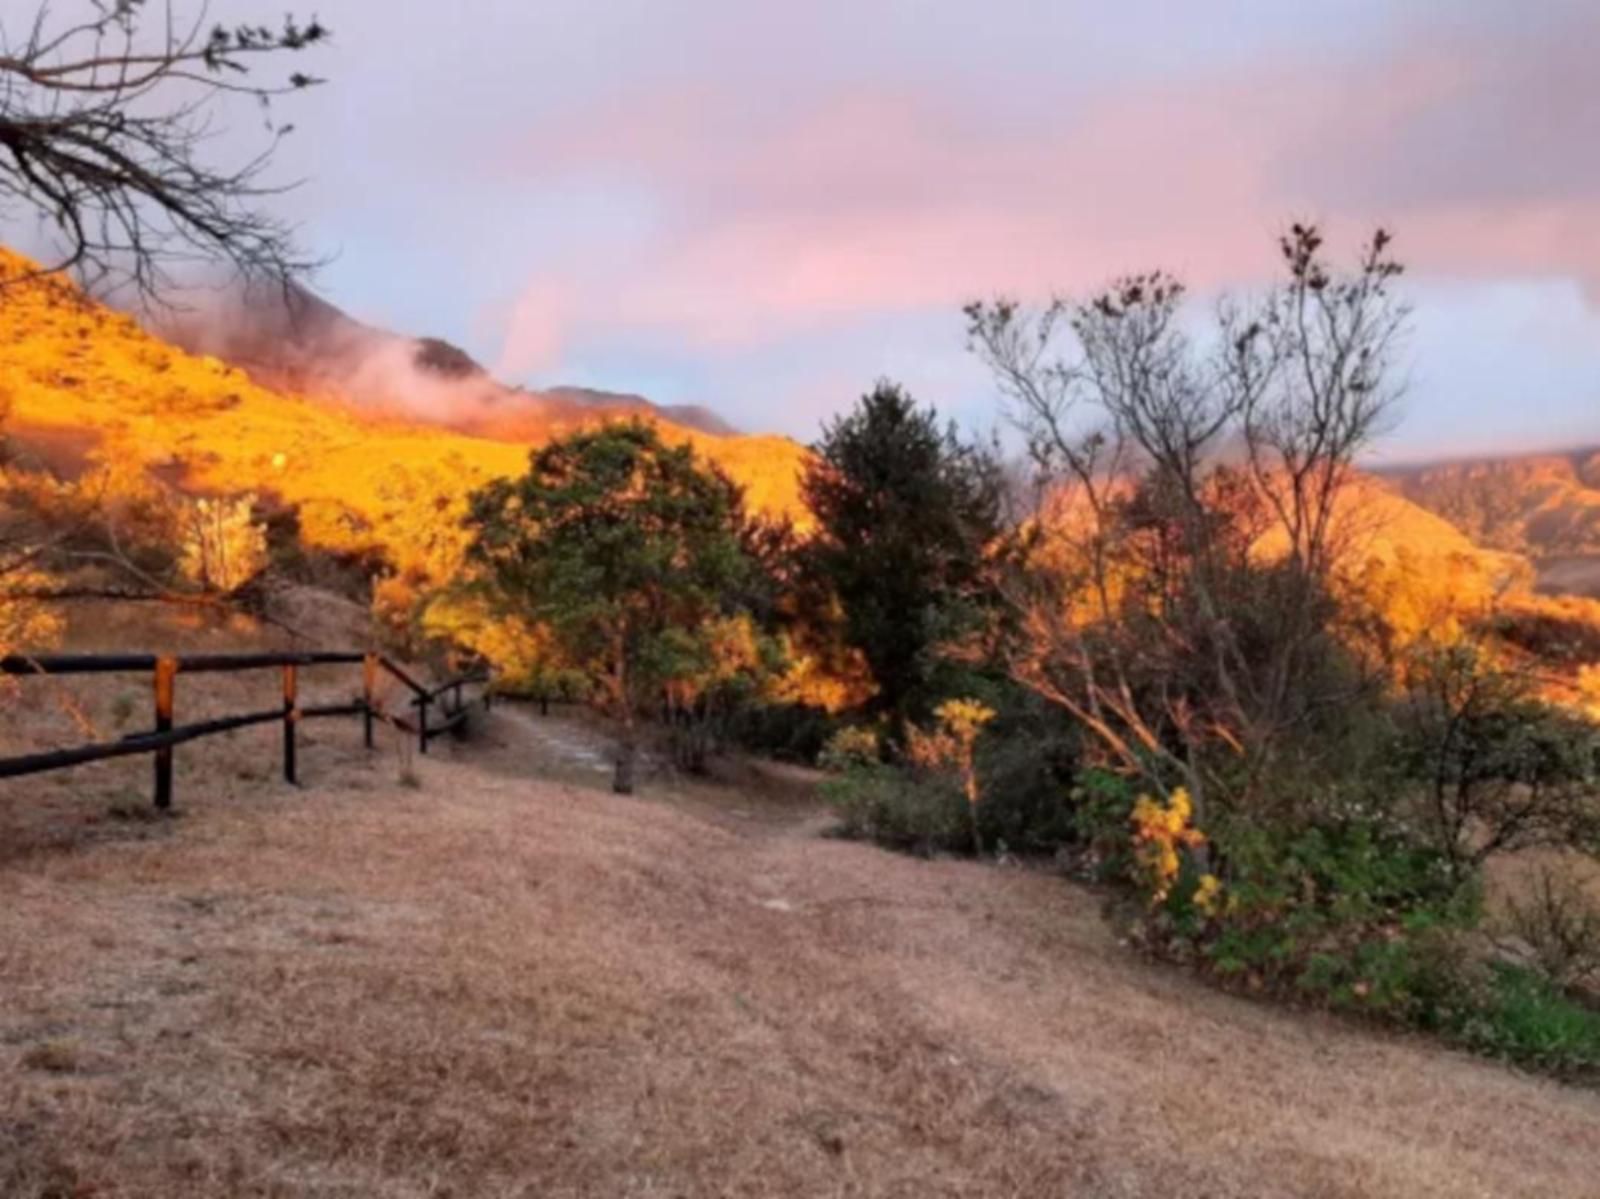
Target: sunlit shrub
{"type": "Point", "coordinates": [853, 746]}
{"type": "Point", "coordinates": [950, 746]}
{"type": "Point", "coordinates": [1160, 833]}
{"type": "Point", "coordinates": [224, 546]}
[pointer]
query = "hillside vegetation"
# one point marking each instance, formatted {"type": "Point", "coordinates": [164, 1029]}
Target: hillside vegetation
{"type": "Point", "coordinates": [89, 387]}
{"type": "Point", "coordinates": [1546, 506]}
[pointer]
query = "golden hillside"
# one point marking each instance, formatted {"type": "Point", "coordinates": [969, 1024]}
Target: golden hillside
{"type": "Point", "coordinates": [1544, 505]}
{"type": "Point", "coordinates": [88, 386]}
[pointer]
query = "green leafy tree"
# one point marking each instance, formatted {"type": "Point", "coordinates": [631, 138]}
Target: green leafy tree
{"type": "Point", "coordinates": [905, 511]}
{"type": "Point", "coordinates": [630, 552]}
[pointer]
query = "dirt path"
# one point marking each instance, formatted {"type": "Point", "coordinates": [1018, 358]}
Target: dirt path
{"type": "Point", "coordinates": [502, 985]}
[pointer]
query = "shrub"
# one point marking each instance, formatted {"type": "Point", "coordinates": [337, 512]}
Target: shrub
{"type": "Point", "coordinates": [1025, 773]}
{"type": "Point", "coordinates": [223, 546]}
{"type": "Point", "coordinates": [1557, 924]}
{"type": "Point", "coordinates": [852, 747]}
{"type": "Point", "coordinates": [1499, 769]}
{"type": "Point", "coordinates": [1519, 1014]}
{"type": "Point", "coordinates": [949, 748]}
{"type": "Point", "coordinates": [794, 731]}
{"type": "Point", "coordinates": [900, 809]}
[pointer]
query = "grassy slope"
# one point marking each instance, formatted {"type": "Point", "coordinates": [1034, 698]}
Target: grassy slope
{"type": "Point", "coordinates": [70, 367]}
{"type": "Point", "coordinates": [503, 986]}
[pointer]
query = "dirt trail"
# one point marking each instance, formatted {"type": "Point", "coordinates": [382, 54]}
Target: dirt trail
{"type": "Point", "coordinates": [507, 985]}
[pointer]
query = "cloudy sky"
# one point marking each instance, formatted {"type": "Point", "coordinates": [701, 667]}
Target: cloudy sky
{"type": "Point", "coordinates": [763, 207]}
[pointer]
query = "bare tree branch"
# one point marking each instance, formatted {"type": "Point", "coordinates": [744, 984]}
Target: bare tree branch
{"type": "Point", "coordinates": [104, 126]}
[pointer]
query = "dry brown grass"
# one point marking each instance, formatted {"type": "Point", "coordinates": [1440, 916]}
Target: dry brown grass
{"type": "Point", "coordinates": [496, 985]}
{"type": "Point", "coordinates": [111, 800]}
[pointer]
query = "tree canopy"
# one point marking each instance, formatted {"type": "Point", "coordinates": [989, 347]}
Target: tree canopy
{"type": "Point", "coordinates": [905, 511]}
{"type": "Point", "coordinates": [631, 552]}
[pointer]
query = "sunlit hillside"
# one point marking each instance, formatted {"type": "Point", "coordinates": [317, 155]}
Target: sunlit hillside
{"type": "Point", "coordinates": [88, 387]}
{"type": "Point", "coordinates": [1544, 505]}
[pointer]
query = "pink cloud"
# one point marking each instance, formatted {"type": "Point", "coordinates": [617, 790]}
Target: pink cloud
{"type": "Point", "coordinates": [776, 219]}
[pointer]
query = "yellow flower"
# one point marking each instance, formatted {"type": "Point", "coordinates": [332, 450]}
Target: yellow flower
{"type": "Point", "coordinates": [1207, 893]}
{"type": "Point", "coordinates": [1158, 832]}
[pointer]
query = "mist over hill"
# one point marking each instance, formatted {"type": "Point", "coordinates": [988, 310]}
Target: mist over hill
{"type": "Point", "coordinates": [292, 340]}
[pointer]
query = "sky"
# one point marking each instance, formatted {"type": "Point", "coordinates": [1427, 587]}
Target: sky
{"type": "Point", "coordinates": [766, 206]}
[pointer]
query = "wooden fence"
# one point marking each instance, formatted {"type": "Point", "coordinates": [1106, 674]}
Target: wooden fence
{"type": "Point", "coordinates": [447, 698]}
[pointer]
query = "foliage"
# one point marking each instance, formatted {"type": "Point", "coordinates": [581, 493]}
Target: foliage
{"type": "Point", "coordinates": [1010, 764]}
{"type": "Point", "coordinates": [796, 732]}
{"type": "Point", "coordinates": [1174, 591]}
{"type": "Point", "coordinates": [1161, 831]}
{"type": "Point", "coordinates": [851, 747]}
{"type": "Point", "coordinates": [223, 545]}
{"type": "Point", "coordinates": [1500, 769]}
{"type": "Point", "coordinates": [26, 623]}
{"type": "Point", "coordinates": [711, 673]}
{"type": "Point", "coordinates": [1359, 916]}
{"type": "Point", "coordinates": [905, 513]}
{"type": "Point", "coordinates": [1521, 1015]}
{"type": "Point", "coordinates": [629, 552]}
{"type": "Point", "coordinates": [951, 746]}
{"type": "Point", "coordinates": [1557, 924]}
{"type": "Point", "coordinates": [923, 813]}
{"type": "Point", "coordinates": [526, 658]}
{"type": "Point", "coordinates": [1027, 762]}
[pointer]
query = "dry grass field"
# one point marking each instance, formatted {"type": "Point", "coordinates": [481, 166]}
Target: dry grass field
{"type": "Point", "coordinates": [506, 982]}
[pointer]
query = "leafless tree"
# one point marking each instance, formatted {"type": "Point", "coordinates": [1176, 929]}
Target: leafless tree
{"type": "Point", "coordinates": [1146, 605]}
{"type": "Point", "coordinates": [107, 112]}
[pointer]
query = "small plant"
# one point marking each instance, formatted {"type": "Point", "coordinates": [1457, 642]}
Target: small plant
{"type": "Point", "coordinates": [224, 546]}
{"type": "Point", "coordinates": [122, 708]}
{"type": "Point", "coordinates": [951, 746]}
{"type": "Point", "coordinates": [1557, 923]}
{"type": "Point", "coordinates": [1521, 1015]}
{"type": "Point", "coordinates": [897, 808]}
{"type": "Point", "coordinates": [1160, 831]}
{"type": "Point", "coordinates": [852, 747]}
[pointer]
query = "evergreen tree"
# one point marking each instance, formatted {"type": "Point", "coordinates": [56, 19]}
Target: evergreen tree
{"type": "Point", "coordinates": [905, 511]}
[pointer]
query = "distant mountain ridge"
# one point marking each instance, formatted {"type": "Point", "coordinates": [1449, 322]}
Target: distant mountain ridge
{"type": "Point", "coordinates": [1545, 505]}
{"type": "Point", "coordinates": [292, 340]}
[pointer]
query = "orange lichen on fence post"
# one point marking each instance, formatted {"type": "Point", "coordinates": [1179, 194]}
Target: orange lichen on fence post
{"type": "Point", "coordinates": [165, 678]}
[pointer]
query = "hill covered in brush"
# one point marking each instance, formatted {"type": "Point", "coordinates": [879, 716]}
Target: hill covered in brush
{"type": "Point", "coordinates": [89, 390]}
{"type": "Point", "coordinates": [1546, 506]}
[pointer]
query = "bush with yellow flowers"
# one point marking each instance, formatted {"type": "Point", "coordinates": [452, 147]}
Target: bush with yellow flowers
{"type": "Point", "coordinates": [1160, 833]}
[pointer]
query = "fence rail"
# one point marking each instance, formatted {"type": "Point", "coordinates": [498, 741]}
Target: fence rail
{"type": "Point", "coordinates": [164, 670]}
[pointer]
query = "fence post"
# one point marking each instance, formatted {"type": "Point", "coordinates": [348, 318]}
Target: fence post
{"type": "Point", "coordinates": [166, 673]}
{"type": "Point", "coordinates": [422, 723]}
{"type": "Point", "coordinates": [290, 715]}
{"type": "Point", "coordinates": [369, 687]}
